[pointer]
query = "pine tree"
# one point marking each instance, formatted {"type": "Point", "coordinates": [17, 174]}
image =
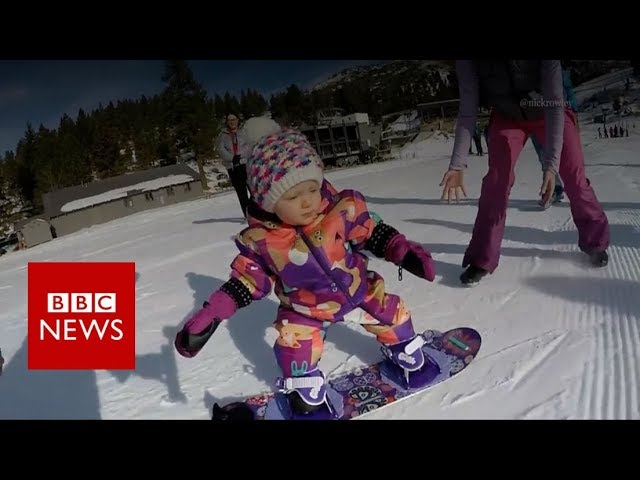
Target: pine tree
{"type": "Point", "coordinates": [49, 170]}
{"type": "Point", "coordinates": [245, 107]}
{"type": "Point", "coordinates": [25, 158]}
{"type": "Point", "coordinates": [188, 111]}
{"type": "Point", "coordinates": [219, 106]}
{"type": "Point", "coordinates": [5, 204]}
{"type": "Point", "coordinates": [105, 152]}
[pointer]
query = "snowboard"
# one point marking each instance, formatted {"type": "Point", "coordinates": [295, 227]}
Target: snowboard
{"type": "Point", "coordinates": [368, 388]}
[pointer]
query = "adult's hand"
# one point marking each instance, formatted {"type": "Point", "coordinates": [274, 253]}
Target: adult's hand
{"type": "Point", "coordinates": [548, 186]}
{"type": "Point", "coordinates": [452, 183]}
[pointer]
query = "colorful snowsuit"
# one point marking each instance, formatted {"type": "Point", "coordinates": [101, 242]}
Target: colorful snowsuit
{"type": "Point", "coordinates": [320, 275]}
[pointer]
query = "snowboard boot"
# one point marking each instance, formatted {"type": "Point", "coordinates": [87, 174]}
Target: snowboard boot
{"type": "Point", "coordinates": [411, 364]}
{"type": "Point", "coordinates": [234, 412]}
{"type": "Point", "coordinates": [307, 393]}
{"type": "Point", "coordinates": [599, 259]}
{"type": "Point", "coordinates": [472, 275]}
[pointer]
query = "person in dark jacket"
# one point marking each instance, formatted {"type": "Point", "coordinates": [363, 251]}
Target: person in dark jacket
{"type": "Point", "coordinates": [525, 97]}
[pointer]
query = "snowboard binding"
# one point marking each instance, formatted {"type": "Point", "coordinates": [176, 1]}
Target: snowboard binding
{"type": "Point", "coordinates": [410, 364]}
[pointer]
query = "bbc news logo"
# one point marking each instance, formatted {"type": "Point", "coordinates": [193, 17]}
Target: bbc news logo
{"type": "Point", "coordinates": [81, 303]}
{"type": "Point", "coordinates": [81, 316]}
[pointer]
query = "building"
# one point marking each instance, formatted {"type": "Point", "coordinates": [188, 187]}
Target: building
{"type": "Point", "coordinates": [74, 208]}
{"type": "Point", "coordinates": [33, 231]}
{"type": "Point", "coordinates": [439, 110]}
{"type": "Point", "coordinates": [405, 124]}
{"type": "Point", "coordinates": [338, 138]}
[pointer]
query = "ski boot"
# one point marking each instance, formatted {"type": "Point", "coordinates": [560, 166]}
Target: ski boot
{"type": "Point", "coordinates": [307, 395]}
{"type": "Point", "coordinates": [410, 362]}
{"type": "Point", "coordinates": [472, 275]}
{"type": "Point", "coordinates": [599, 259]}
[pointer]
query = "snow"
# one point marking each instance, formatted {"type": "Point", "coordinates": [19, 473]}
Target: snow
{"type": "Point", "coordinates": [561, 340]}
{"type": "Point", "coordinates": [116, 193]}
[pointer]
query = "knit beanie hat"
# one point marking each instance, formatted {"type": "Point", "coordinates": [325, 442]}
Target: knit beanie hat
{"type": "Point", "coordinates": [279, 162]}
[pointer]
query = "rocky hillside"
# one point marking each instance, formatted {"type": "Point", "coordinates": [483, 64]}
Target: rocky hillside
{"type": "Point", "coordinates": [411, 75]}
{"type": "Point", "coordinates": [397, 85]}
{"type": "Point", "coordinates": [585, 70]}
{"type": "Point", "coordinates": [390, 86]}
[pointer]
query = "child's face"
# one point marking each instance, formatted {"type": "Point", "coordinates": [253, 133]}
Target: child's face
{"type": "Point", "coordinates": [300, 204]}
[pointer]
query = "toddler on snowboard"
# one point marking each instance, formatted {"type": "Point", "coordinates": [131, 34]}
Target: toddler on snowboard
{"type": "Point", "coordinates": [307, 240]}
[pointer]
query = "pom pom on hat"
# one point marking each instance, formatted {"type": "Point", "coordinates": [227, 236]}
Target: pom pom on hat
{"type": "Point", "coordinates": [279, 162]}
{"type": "Point", "coordinates": [257, 127]}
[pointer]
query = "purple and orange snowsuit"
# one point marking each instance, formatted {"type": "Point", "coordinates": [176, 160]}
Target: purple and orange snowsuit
{"type": "Point", "coordinates": [319, 273]}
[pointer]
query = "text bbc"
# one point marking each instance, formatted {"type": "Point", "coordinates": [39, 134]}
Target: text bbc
{"type": "Point", "coordinates": [81, 302]}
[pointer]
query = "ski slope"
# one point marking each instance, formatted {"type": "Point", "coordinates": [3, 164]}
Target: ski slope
{"type": "Point", "coordinates": [561, 340]}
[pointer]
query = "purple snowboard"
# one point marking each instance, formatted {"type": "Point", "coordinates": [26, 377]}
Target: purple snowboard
{"type": "Point", "coordinates": [365, 389]}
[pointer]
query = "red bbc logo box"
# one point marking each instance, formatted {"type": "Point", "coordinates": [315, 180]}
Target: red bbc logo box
{"type": "Point", "coordinates": [81, 316]}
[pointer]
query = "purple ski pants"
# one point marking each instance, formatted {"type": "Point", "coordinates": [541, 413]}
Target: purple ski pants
{"type": "Point", "coordinates": [506, 141]}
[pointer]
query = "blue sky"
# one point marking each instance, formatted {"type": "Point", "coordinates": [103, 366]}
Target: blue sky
{"type": "Point", "coordinates": [41, 91]}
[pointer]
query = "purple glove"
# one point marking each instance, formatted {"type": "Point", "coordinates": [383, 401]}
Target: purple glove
{"type": "Point", "coordinates": [195, 333]}
{"type": "Point", "coordinates": [410, 256]}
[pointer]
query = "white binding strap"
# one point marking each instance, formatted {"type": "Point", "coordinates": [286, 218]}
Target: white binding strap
{"type": "Point", "coordinates": [414, 345]}
{"type": "Point", "coordinates": [291, 383]}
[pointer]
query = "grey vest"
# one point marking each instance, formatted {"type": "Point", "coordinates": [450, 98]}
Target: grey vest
{"type": "Point", "coordinates": [512, 88]}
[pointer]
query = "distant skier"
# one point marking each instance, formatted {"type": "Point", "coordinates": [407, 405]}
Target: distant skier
{"type": "Point", "coordinates": [513, 119]}
{"type": "Point", "coordinates": [477, 138]}
{"type": "Point", "coordinates": [308, 240]}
